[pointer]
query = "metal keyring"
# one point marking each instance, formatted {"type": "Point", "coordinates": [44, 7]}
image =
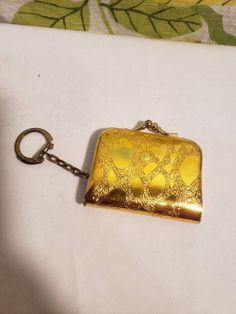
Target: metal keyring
{"type": "Point", "coordinates": [38, 157]}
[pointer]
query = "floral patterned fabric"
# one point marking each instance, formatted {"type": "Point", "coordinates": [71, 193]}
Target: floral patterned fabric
{"type": "Point", "coordinates": [204, 21]}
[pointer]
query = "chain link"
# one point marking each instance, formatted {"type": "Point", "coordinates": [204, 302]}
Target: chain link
{"type": "Point", "coordinates": [63, 164]}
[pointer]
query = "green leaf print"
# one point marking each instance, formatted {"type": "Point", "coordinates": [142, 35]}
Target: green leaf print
{"type": "Point", "coordinates": [153, 19]}
{"type": "Point", "coordinates": [64, 14]}
{"type": "Point", "coordinates": [215, 26]}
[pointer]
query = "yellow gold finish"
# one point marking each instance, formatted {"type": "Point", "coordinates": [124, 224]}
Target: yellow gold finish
{"type": "Point", "coordinates": [156, 174]}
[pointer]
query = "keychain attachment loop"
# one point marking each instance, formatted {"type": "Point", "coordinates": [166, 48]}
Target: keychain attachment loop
{"type": "Point", "coordinates": [38, 158]}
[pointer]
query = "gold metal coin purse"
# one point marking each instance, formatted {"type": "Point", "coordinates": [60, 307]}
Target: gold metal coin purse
{"type": "Point", "coordinates": [155, 172]}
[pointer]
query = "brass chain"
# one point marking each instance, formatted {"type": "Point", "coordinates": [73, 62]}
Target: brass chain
{"type": "Point", "coordinates": [65, 165]}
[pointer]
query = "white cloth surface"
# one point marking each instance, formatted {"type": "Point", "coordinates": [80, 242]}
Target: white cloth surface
{"type": "Point", "coordinates": [59, 257]}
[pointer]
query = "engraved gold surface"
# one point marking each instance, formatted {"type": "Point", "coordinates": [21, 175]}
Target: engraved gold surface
{"type": "Point", "coordinates": [149, 173]}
